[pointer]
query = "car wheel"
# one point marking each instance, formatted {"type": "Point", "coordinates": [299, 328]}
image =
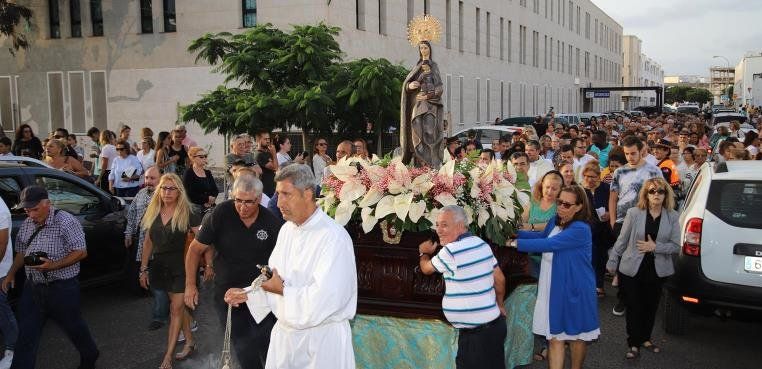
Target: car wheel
{"type": "Point", "coordinates": [675, 315]}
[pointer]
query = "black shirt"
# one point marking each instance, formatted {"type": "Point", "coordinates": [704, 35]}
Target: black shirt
{"type": "Point", "coordinates": [182, 163]}
{"type": "Point", "coordinates": [652, 228]}
{"type": "Point", "coordinates": [199, 188]}
{"type": "Point", "coordinates": [268, 175]}
{"type": "Point", "coordinates": [238, 248]}
{"type": "Point", "coordinates": [166, 240]}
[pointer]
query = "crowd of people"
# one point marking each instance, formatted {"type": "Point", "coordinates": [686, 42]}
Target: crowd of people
{"type": "Point", "coordinates": [602, 199]}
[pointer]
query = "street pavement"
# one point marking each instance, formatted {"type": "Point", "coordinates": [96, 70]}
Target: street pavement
{"type": "Point", "coordinates": [118, 321]}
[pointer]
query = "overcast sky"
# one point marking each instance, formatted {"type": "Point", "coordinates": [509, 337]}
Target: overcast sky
{"type": "Point", "coordinates": [683, 35]}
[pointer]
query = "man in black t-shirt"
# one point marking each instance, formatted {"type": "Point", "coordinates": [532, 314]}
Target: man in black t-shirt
{"type": "Point", "coordinates": [243, 234]}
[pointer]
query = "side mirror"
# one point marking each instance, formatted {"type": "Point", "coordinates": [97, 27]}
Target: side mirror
{"type": "Point", "coordinates": [117, 203]}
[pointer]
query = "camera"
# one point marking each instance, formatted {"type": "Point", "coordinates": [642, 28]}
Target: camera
{"type": "Point", "coordinates": [35, 258]}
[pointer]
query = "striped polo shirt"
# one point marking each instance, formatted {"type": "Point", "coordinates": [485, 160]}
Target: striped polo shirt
{"type": "Point", "coordinates": [467, 265]}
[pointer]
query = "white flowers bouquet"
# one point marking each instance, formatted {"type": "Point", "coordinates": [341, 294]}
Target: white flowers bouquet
{"type": "Point", "coordinates": [410, 199]}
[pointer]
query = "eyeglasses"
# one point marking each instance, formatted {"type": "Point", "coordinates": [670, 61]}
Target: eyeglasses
{"type": "Point", "coordinates": [564, 204]}
{"type": "Point", "coordinates": [654, 191]}
{"type": "Point", "coordinates": [168, 188]}
{"type": "Point", "coordinates": [122, 148]}
{"type": "Point", "coordinates": [200, 156]}
{"type": "Point", "coordinates": [245, 202]}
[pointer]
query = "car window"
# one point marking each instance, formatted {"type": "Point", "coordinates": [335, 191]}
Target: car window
{"type": "Point", "coordinates": [10, 191]}
{"type": "Point", "coordinates": [738, 203]}
{"type": "Point", "coordinates": [693, 189]}
{"type": "Point", "coordinates": [69, 196]}
{"type": "Point", "coordinates": [488, 135]}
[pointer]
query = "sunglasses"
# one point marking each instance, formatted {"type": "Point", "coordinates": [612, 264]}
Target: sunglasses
{"type": "Point", "coordinates": [654, 191]}
{"type": "Point", "coordinates": [564, 204]}
{"type": "Point", "coordinates": [200, 156]}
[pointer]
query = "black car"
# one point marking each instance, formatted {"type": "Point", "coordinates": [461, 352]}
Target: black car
{"type": "Point", "coordinates": [102, 215]}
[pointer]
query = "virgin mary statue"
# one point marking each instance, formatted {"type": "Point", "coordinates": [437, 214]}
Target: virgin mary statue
{"type": "Point", "coordinates": [421, 118]}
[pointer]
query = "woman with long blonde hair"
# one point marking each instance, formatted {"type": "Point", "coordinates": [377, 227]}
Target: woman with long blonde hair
{"type": "Point", "coordinates": [167, 221]}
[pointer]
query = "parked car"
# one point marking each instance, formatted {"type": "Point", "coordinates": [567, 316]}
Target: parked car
{"type": "Point", "coordinates": [585, 117]}
{"type": "Point", "coordinates": [726, 117]}
{"type": "Point", "coordinates": [568, 119]}
{"type": "Point", "coordinates": [102, 215]}
{"type": "Point", "coordinates": [519, 121]}
{"type": "Point", "coordinates": [485, 134]}
{"type": "Point", "coordinates": [648, 110]}
{"type": "Point", "coordinates": [719, 268]}
{"type": "Point", "coordinates": [688, 108]}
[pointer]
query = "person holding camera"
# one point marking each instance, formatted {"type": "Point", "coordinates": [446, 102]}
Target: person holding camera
{"type": "Point", "coordinates": [49, 245]}
{"type": "Point", "coordinates": [124, 178]}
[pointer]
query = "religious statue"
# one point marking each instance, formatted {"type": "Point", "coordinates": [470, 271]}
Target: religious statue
{"type": "Point", "coordinates": [421, 118]}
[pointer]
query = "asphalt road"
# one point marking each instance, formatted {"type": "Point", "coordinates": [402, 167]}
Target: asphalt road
{"type": "Point", "coordinates": [118, 321]}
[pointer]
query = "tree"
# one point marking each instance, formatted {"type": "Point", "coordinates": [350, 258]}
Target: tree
{"type": "Point", "coordinates": [676, 94]}
{"type": "Point", "coordinates": [372, 89]}
{"type": "Point", "coordinates": [699, 95]}
{"type": "Point", "coordinates": [11, 15]}
{"type": "Point", "coordinates": [280, 77]}
{"type": "Point", "coordinates": [293, 79]}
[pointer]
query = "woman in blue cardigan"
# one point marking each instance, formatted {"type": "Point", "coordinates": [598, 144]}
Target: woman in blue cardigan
{"type": "Point", "coordinates": [566, 308]}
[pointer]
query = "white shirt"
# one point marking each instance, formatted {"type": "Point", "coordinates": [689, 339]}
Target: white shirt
{"type": "Point", "coordinates": [147, 160]}
{"type": "Point", "coordinates": [537, 169]}
{"type": "Point", "coordinates": [652, 160]}
{"type": "Point", "coordinates": [108, 152]}
{"type": "Point", "coordinates": [580, 162]}
{"type": "Point", "coordinates": [317, 263]}
{"type": "Point", "coordinates": [120, 165]}
{"type": "Point", "coordinates": [5, 223]}
{"type": "Point", "coordinates": [282, 158]}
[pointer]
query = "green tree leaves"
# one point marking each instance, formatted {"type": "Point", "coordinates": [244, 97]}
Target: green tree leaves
{"type": "Point", "coordinates": [11, 15]}
{"type": "Point", "coordinates": [293, 79]}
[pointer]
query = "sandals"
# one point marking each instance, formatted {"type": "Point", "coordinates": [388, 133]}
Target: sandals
{"type": "Point", "coordinates": [632, 353]}
{"type": "Point", "coordinates": [648, 345]}
{"type": "Point", "coordinates": [166, 364]}
{"type": "Point", "coordinates": [182, 355]}
{"type": "Point", "coordinates": [541, 355]}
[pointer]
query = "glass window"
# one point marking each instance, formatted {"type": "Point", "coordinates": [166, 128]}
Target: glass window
{"type": "Point", "coordinates": [737, 203]}
{"type": "Point", "coordinates": [96, 17]}
{"type": "Point", "coordinates": [170, 18]}
{"type": "Point", "coordinates": [54, 18]}
{"type": "Point", "coordinates": [10, 193]}
{"type": "Point", "coordinates": [69, 196]}
{"type": "Point", "coordinates": [146, 16]}
{"type": "Point", "coordinates": [76, 18]}
{"type": "Point", "coordinates": [249, 13]}
{"type": "Point", "coordinates": [487, 135]}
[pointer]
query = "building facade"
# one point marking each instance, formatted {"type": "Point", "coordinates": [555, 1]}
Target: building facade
{"type": "Point", "coordinates": [747, 87]}
{"type": "Point", "coordinates": [638, 70]}
{"type": "Point", "coordinates": [107, 63]}
{"type": "Point", "coordinates": [720, 78]}
{"type": "Point", "coordinates": [694, 81]}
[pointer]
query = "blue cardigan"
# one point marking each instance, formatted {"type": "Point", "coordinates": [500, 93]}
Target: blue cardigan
{"type": "Point", "coordinates": [573, 303]}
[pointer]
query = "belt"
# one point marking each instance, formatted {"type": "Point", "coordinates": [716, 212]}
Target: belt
{"type": "Point", "coordinates": [482, 327]}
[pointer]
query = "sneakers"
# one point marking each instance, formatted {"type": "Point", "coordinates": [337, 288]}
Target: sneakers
{"type": "Point", "coordinates": [181, 337]}
{"type": "Point", "coordinates": [7, 360]}
{"type": "Point", "coordinates": [618, 309]}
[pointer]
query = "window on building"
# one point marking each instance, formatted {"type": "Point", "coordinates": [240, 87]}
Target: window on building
{"type": "Point", "coordinates": [587, 26]}
{"type": "Point", "coordinates": [170, 17]}
{"type": "Point", "coordinates": [502, 38]}
{"type": "Point", "coordinates": [426, 8]}
{"type": "Point", "coordinates": [489, 35]}
{"type": "Point", "coordinates": [478, 100]}
{"type": "Point", "coordinates": [502, 100]}
{"type": "Point", "coordinates": [570, 59]}
{"type": "Point", "coordinates": [536, 6]}
{"type": "Point", "coordinates": [488, 95]}
{"type": "Point", "coordinates": [559, 67]}
{"type": "Point", "coordinates": [478, 30]}
{"type": "Point", "coordinates": [382, 20]}
{"type": "Point", "coordinates": [460, 27]}
{"type": "Point", "coordinates": [96, 17]}
{"type": "Point", "coordinates": [146, 16]}
{"type": "Point", "coordinates": [249, 13]}
{"type": "Point", "coordinates": [577, 63]}
{"type": "Point", "coordinates": [6, 104]}
{"type": "Point", "coordinates": [596, 30]}
{"type": "Point", "coordinates": [360, 14]}
{"type": "Point", "coordinates": [55, 99]}
{"type": "Point", "coordinates": [545, 53]}
{"type": "Point", "coordinates": [75, 18]}
{"type": "Point", "coordinates": [510, 97]}
{"type": "Point", "coordinates": [410, 10]}
{"type": "Point", "coordinates": [448, 91]}
{"type": "Point", "coordinates": [552, 9]}
{"type": "Point", "coordinates": [54, 19]}
{"type": "Point", "coordinates": [571, 16]}
{"type": "Point", "coordinates": [77, 101]}
{"type": "Point", "coordinates": [460, 100]}
{"type": "Point", "coordinates": [98, 93]}
{"type": "Point", "coordinates": [587, 64]}
{"type": "Point", "coordinates": [510, 40]}
{"type": "Point", "coordinates": [448, 23]}
{"type": "Point", "coordinates": [546, 9]}
{"type": "Point", "coordinates": [535, 49]}
{"type": "Point", "coordinates": [579, 11]}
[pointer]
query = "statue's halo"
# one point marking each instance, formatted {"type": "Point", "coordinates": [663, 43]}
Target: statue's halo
{"type": "Point", "coordinates": [424, 28]}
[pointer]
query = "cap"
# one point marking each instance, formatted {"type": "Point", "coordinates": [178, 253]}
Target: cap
{"type": "Point", "coordinates": [663, 143]}
{"type": "Point", "coordinates": [32, 195]}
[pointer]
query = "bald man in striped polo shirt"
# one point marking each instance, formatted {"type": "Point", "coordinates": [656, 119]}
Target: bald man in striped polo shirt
{"type": "Point", "coordinates": [474, 290]}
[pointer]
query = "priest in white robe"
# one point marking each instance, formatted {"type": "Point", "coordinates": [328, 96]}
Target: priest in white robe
{"type": "Point", "coordinates": [313, 290]}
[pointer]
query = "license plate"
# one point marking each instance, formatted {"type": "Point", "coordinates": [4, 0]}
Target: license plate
{"type": "Point", "coordinates": [752, 264]}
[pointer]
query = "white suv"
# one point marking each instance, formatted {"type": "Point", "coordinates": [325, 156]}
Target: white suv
{"type": "Point", "coordinates": [719, 268]}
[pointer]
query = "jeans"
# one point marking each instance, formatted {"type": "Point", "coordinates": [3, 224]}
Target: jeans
{"type": "Point", "coordinates": [160, 308]}
{"type": "Point", "coordinates": [7, 321]}
{"type": "Point", "coordinates": [60, 301]}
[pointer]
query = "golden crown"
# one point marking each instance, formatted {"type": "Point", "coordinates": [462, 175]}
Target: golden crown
{"type": "Point", "coordinates": [424, 28]}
